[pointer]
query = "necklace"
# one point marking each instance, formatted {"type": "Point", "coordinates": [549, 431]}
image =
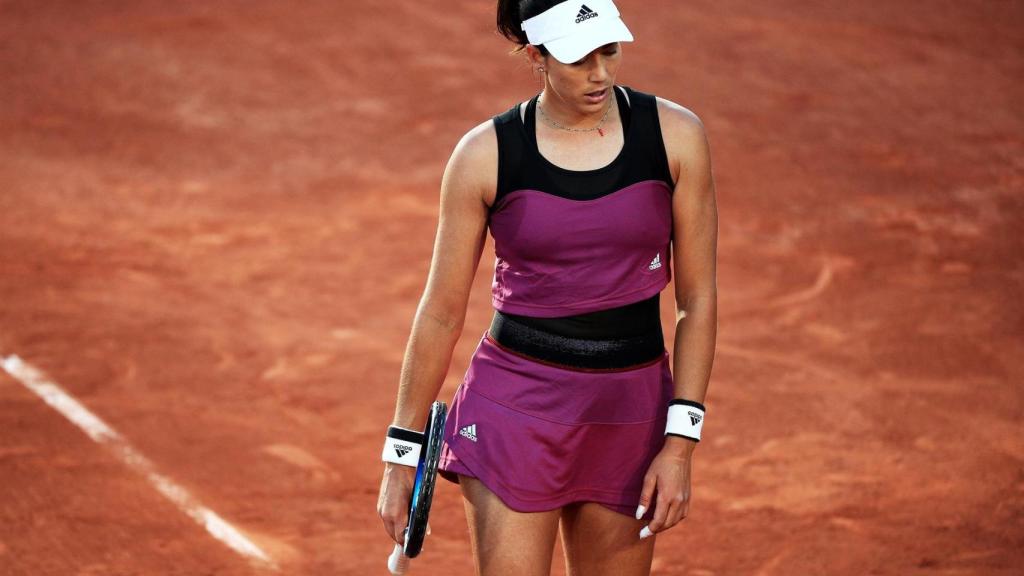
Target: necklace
{"type": "Point", "coordinates": [598, 127]}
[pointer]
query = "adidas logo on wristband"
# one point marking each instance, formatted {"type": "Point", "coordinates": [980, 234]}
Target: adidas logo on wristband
{"type": "Point", "coordinates": [685, 419]}
{"type": "Point", "coordinates": [402, 446]}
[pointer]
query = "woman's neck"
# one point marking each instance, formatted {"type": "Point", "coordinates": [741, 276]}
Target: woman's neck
{"type": "Point", "coordinates": [569, 118]}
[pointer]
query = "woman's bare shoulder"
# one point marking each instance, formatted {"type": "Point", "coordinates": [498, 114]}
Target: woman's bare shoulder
{"type": "Point", "coordinates": [683, 133]}
{"type": "Point", "coordinates": [479, 142]}
{"type": "Point", "coordinates": [474, 162]}
{"type": "Point", "coordinates": [678, 120]}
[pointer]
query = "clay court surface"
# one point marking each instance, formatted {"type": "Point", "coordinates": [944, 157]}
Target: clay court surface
{"type": "Point", "coordinates": [216, 221]}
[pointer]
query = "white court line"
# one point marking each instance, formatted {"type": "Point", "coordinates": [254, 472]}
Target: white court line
{"type": "Point", "coordinates": [99, 431]}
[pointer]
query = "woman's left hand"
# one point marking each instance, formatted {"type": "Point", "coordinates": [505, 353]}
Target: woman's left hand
{"type": "Point", "coordinates": [667, 480]}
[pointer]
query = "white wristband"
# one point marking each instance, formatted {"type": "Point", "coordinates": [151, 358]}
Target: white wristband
{"type": "Point", "coordinates": [685, 418]}
{"type": "Point", "coordinates": [402, 446]}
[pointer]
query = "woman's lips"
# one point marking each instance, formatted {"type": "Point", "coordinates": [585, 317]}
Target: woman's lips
{"type": "Point", "coordinates": [598, 96]}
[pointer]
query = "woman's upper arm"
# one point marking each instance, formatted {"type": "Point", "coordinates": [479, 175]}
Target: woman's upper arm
{"type": "Point", "coordinates": [469, 179]}
{"type": "Point", "coordinates": [694, 209]}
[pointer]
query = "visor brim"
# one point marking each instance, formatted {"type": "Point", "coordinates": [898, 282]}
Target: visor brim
{"type": "Point", "coordinates": [574, 47]}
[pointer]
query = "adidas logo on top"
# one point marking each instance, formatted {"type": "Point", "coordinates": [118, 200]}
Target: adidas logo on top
{"type": "Point", "coordinates": [469, 432]}
{"type": "Point", "coordinates": [585, 14]}
{"type": "Point", "coordinates": [694, 417]}
{"type": "Point", "coordinates": [656, 263]}
{"type": "Point", "coordinates": [402, 449]}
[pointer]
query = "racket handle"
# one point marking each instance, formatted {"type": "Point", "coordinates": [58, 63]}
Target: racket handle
{"type": "Point", "coordinates": [398, 562]}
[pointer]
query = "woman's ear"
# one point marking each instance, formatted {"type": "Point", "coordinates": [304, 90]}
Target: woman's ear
{"type": "Point", "coordinates": [538, 62]}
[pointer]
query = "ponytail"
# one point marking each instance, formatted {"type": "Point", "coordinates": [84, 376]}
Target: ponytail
{"type": "Point", "coordinates": [509, 21]}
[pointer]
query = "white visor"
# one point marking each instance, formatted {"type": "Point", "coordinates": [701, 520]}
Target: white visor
{"type": "Point", "coordinates": [572, 29]}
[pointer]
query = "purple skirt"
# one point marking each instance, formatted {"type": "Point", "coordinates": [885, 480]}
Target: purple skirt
{"type": "Point", "coordinates": [541, 436]}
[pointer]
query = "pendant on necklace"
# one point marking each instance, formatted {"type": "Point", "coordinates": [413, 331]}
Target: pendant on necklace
{"type": "Point", "coordinates": [601, 132]}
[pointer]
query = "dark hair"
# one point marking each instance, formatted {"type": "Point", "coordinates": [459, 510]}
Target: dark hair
{"type": "Point", "coordinates": [511, 14]}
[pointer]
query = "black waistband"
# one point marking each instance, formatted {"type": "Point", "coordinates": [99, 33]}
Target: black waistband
{"type": "Point", "coordinates": [577, 353]}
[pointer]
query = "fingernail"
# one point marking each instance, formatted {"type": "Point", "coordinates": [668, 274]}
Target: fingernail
{"type": "Point", "coordinates": [428, 527]}
{"type": "Point", "coordinates": [646, 532]}
{"type": "Point", "coordinates": [640, 511]}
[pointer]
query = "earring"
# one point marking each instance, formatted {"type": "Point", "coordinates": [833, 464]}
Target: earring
{"type": "Point", "coordinates": [540, 69]}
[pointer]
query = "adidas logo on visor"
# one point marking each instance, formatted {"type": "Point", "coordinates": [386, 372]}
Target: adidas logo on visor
{"type": "Point", "coordinates": [585, 14]}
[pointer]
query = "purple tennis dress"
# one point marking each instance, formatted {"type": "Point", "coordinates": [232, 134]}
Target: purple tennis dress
{"type": "Point", "coordinates": [539, 434]}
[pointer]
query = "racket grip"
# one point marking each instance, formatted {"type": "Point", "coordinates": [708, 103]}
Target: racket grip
{"type": "Point", "coordinates": [398, 562]}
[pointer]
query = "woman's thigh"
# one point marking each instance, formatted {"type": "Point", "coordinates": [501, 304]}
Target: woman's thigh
{"type": "Point", "coordinates": [601, 542]}
{"type": "Point", "coordinates": [505, 541]}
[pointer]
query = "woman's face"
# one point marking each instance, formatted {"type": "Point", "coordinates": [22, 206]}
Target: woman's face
{"type": "Point", "coordinates": [573, 82]}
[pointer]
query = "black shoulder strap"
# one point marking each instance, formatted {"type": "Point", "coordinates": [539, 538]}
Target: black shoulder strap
{"type": "Point", "coordinates": [511, 149]}
{"type": "Point", "coordinates": [649, 143]}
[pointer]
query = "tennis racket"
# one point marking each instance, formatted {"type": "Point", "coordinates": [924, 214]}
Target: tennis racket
{"type": "Point", "coordinates": [422, 491]}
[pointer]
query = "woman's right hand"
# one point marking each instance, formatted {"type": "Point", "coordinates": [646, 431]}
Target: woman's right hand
{"type": "Point", "coordinates": [393, 501]}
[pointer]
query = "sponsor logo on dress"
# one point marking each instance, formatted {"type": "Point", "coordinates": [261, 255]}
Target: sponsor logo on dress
{"type": "Point", "coordinates": [656, 263]}
{"type": "Point", "coordinates": [694, 417]}
{"type": "Point", "coordinates": [585, 14]}
{"type": "Point", "coordinates": [402, 449]}
{"type": "Point", "coordinates": [469, 432]}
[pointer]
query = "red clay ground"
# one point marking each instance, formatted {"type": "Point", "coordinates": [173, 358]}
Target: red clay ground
{"type": "Point", "coordinates": [216, 221]}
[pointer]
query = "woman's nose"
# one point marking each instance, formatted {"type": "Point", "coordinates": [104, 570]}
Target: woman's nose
{"type": "Point", "coordinates": [599, 72]}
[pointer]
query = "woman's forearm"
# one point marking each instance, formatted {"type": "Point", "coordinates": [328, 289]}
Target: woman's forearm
{"type": "Point", "coordinates": [427, 357]}
{"type": "Point", "coordinates": [693, 355]}
{"type": "Point", "coordinates": [694, 348]}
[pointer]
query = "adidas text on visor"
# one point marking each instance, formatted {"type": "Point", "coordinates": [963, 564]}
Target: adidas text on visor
{"type": "Point", "coordinates": [571, 30]}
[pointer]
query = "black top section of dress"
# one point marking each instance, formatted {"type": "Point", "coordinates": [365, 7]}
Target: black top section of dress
{"type": "Point", "coordinates": [521, 166]}
{"type": "Point", "coordinates": [642, 157]}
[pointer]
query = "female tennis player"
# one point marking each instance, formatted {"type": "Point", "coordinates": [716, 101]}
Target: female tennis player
{"type": "Point", "coordinates": [569, 419]}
